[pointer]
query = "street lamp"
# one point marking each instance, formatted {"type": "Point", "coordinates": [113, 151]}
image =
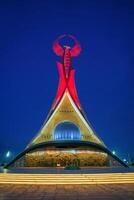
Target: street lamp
{"type": "Point", "coordinates": [8, 154]}
{"type": "Point", "coordinates": [113, 152]}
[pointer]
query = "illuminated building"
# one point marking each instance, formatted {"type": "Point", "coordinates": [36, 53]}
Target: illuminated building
{"type": "Point", "coordinates": [66, 137]}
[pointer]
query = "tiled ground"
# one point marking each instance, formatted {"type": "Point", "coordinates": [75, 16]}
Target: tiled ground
{"type": "Point", "coordinates": [67, 192]}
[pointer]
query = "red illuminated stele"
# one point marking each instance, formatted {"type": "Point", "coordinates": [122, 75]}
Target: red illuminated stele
{"type": "Point", "coordinates": [66, 73]}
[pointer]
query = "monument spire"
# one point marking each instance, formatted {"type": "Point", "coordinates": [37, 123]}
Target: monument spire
{"type": "Point", "coordinates": [66, 73]}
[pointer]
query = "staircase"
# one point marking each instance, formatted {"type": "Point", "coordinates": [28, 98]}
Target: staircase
{"type": "Point", "coordinates": [49, 179]}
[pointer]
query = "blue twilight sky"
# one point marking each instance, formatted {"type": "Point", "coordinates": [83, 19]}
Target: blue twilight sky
{"type": "Point", "coordinates": [104, 70]}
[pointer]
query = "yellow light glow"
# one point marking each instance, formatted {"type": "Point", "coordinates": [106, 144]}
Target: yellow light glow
{"type": "Point", "coordinates": [50, 179]}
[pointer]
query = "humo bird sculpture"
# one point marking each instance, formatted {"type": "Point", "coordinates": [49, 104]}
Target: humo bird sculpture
{"type": "Point", "coordinates": [67, 52]}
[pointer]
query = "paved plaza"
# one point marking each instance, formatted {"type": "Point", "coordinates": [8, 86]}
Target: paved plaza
{"type": "Point", "coordinates": [67, 192]}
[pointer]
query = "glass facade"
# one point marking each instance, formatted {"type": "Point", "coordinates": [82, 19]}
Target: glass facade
{"type": "Point", "coordinates": [67, 131]}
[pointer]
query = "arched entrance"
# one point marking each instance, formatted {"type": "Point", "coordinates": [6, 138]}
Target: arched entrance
{"type": "Point", "coordinates": [66, 131]}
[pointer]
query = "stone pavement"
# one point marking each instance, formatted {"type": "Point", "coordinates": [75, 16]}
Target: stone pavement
{"type": "Point", "coordinates": [67, 192]}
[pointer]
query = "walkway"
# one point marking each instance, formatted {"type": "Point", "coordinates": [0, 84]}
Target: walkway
{"type": "Point", "coordinates": [67, 192]}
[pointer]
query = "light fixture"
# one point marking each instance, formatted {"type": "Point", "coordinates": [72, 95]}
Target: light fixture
{"type": "Point", "coordinates": [113, 152]}
{"type": "Point", "coordinates": [8, 154]}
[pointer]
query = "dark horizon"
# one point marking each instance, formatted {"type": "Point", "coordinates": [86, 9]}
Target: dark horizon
{"type": "Point", "coordinates": [104, 69]}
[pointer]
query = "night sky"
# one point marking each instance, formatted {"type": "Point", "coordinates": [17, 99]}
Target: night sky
{"type": "Point", "coordinates": [104, 69]}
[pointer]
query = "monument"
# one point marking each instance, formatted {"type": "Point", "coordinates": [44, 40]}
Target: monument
{"type": "Point", "coordinates": [66, 137]}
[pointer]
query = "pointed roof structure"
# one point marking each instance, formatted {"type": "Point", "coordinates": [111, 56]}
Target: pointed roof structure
{"type": "Point", "coordinates": [66, 122]}
{"type": "Point", "coordinates": [66, 110]}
